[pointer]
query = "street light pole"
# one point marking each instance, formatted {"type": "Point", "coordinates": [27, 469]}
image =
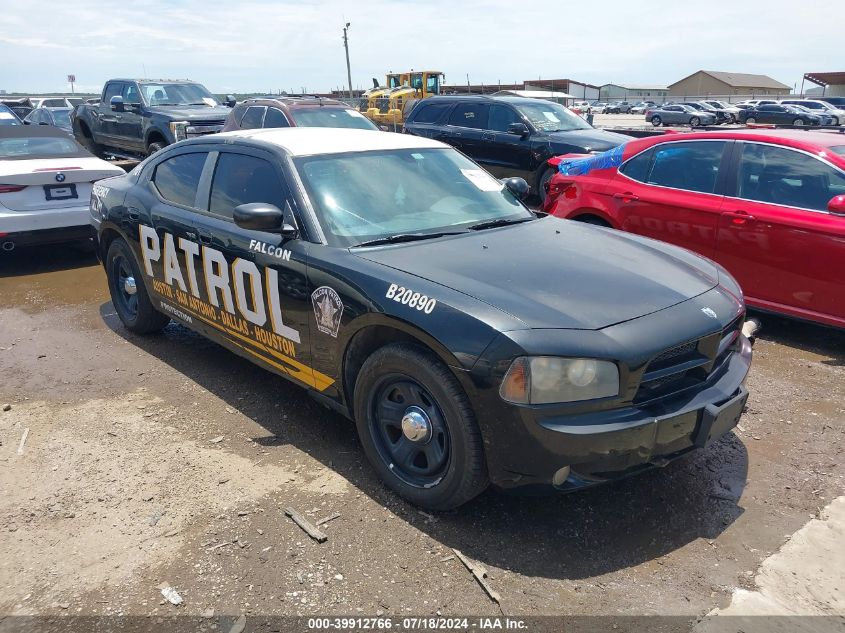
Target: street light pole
{"type": "Point", "coordinates": [348, 70]}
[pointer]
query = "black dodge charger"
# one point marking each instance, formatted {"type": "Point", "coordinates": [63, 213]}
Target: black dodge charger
{"type": "Point", "coordinates": [471, 341]}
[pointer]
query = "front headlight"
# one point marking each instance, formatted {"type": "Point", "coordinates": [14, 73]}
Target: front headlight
{"type": "Point", "coordinates": [179, 130]}
{"type": "Point", "coordinates": [548, 379]}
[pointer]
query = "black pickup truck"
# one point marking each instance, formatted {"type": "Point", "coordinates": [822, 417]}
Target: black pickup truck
{"type": "Point", "coordinates": [140, 116]}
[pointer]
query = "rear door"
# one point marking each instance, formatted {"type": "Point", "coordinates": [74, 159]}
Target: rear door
{"type": "Point", "coordinates": [776, 235]}
{"type": "Point", "coordinates": [465, 128]}
{"type": "Point", "coordinates": [255, 282]}
{"type": "Point", "coordinates": [673, 192]}
{"type": "Point", "coordinates": [168, 245]}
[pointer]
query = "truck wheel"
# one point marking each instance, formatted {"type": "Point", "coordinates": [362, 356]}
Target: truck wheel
{"type": "Point", "coordinates": [154, 147]}
{"type": "Point", "coordinates": [88, 143]}
{"type": "Point", "coordinates": [418, 429]}
{"type": "Point", "coordinates": [128, 292]}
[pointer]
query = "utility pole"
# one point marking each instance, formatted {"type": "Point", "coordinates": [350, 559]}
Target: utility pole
{"type": "Point", "coordinates": [348, 70]}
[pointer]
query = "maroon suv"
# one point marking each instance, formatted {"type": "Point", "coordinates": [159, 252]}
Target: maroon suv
{"type": "Point", "coordinates": [283, 111]}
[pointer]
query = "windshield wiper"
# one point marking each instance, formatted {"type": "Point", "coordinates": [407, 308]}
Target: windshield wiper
{"type": "Point", "coordinates": [489, 224]}
{"type": "Point", "coordinates": [406, 237]}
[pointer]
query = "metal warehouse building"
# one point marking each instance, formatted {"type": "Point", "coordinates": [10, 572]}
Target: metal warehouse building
{"type": "Point", "coordinates": [715, 83]}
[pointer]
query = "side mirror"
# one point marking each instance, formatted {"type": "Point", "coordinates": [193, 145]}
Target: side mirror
{"type": "Point", "coordinates": [837, 205]}
{"type": "Point", "coordinates": [116, 104]}
{"type": "Point", "coordinates": [261, 216]}
{"type": "Point", "coordinates": [518, 128]}
{"type": "Point", "coordinates": [230, 101]}
{"type": "Point", "coordinates": [517, 186]}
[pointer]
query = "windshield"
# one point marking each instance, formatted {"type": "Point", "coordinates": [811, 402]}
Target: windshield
{"type": "Point", "coordinates": [331, 117]}
{"type": "Point", "coordinates": [74, 101]}
{"type": "Point", "coordinates": [40, 146]}
{"type": "Point", "coordinates": [548, 116]}
{"type": "Point", "coordinates": [363, 196]}
{"type": "Point", "coordinates": [7, 117]}
{"type": "Point", "coordinates": [177, 94]}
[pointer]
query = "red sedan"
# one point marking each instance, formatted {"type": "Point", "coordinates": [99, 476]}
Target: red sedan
{"type": "Point", "coordinates": [769, 205]}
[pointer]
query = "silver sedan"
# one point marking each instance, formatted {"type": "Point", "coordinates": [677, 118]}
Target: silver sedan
{"type": "Point", "coordinates": [679, 114]}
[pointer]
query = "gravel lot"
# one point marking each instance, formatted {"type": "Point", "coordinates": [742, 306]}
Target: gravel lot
{"type": "Point", "coordinates": [168, 459]}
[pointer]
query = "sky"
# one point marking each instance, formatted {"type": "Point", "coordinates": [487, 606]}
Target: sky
{"type": "Point", "coordinates": [272, 45]}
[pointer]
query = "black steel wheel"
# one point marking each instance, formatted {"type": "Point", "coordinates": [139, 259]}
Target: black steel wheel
{"type": "Point", "coordinates": [409, 431]}
{"type": "Point", "coordinates": [418, 428]}
{"type": "Point", "coordinates": [128, 292]}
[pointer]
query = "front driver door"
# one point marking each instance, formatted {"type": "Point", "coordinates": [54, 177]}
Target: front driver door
{"type": "Point", "coordinates": [255, 282]}
{"type": "Point", "coordinates": [505, 154]}
{"type": "Point", "coordinates": [776, 235]}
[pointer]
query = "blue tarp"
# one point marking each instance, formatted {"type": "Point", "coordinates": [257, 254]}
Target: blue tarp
{"type": "Point", "coordinates": [582, 166]}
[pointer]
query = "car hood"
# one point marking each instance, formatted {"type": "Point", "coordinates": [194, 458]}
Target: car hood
{"type": "Point", "coordinates": [553, 273]}
{"type": "Point", "coordinates": [590, 139]}
{"type": "Point", "coordinates": [192, 113]}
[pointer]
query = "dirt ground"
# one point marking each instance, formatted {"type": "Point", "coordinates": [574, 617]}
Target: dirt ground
{"type": "Point", "coordinates": [166, 459]}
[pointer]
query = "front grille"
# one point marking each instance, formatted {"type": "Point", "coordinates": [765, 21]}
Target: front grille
{"type": "Point", "coordinates": [688, 364]}
{"type": "Point", "coordinates": [383, 104]}
{"type": "Point", "coordinates": [210, 123]}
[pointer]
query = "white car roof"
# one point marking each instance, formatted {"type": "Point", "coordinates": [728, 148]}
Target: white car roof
{"type": "Point", "coordinates": [310, 141]}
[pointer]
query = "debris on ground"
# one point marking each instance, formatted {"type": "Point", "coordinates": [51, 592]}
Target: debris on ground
{"type": "Point", "coordinates": [170, 594]}
{"type": "Point", "coordinates": [332, 517]}
{"type": "Point", "coordinates": [306, 525]}
{"type": "Point", "coordinates": [216, 440]}
{"type": "Point", "coordinates": [7, 407]}
{"type": "Point", "coordinates": [23, 440]}
{"type": "Point", "coordinates": [480, 574]}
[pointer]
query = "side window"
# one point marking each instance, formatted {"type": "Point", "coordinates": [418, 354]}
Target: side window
{"type": "Point", "coordinates": [470, 115]}
{"type": "Point", "coordinates": [637, 167]}
{"type": "Point", "coordinates": [131, 94]}
{"type": "Point", "coordinates": [114, 89]}
{"type": "Point", "coordinates": [177, 178]}
{"type": "Point", "coordinates": [692, 166]}
{"type": "Point", "coordinates": [768, 173]}
{"type": "Point", "coordinates": [241, 179]}
{"type": "Point", "coordinates": [501, 118]}
{"type": "Point", "coordinates": [253, 117]}
{"type": "Point", "coordinates": [275, 118]}
{"type": "Point", "coordinates": [238, 112]}
{"type": "Point", "coordinates": [431, 112]}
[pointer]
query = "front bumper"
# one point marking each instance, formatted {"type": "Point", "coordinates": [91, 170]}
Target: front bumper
{"type": "Point", "coordinates": [602, 446]}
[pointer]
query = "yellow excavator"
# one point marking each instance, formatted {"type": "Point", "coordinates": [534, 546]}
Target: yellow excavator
{"type": "Point", "coordinates": [389, 105]}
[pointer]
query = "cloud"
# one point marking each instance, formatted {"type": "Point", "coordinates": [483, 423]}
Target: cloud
{"type": "Point", "coordinates": [267, 45]}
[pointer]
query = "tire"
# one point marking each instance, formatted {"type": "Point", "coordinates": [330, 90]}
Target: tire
{"type": "Point", "coordinates": [798, 123]}
{"type": "Point", "coordinates": [154, 147]}
{"type": "Point", "coordinates": [400, 381]}
{"type": "Point", "coordinates": [750, 121]}
{"type": "Point", "coordinates": [591, 219]}
{"type": "Point", "coordinates": [88, 143]}
{"type": "Point", "coordinates": [655, 121]}
{"type": "Point", "coordinates": [541, 186]}
{"type": "Point", "coordinates": [135, 309]}
{"type": "Point", "coordinates": [694, 121]}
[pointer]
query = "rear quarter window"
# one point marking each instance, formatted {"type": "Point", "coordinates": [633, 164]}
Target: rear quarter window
{"type": "Point", "coordinates": [177, 178]}
{"type": "Point", "coordinates": [637, 167]}
{"type": "Point", "coordinates": [431, 112]}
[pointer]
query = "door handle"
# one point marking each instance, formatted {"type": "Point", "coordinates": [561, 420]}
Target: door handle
{"type": "Point", "coordinates": [134, 214]}
{"type": "Point", "coordinates": [205, 238]}
{"type": "Point", "coordinates": [487, 136]}
{"type": "Point", "coordinates": [626, 197]}
{"type": "Point", "coordinates": [191, 235]}
{"type": "Point", "coordinates": [741, 218]}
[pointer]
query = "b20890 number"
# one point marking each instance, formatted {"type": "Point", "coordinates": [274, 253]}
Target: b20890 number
{"type": "Point", "coordinates": [412, 299]}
